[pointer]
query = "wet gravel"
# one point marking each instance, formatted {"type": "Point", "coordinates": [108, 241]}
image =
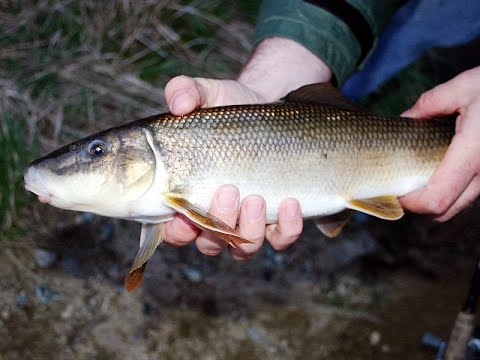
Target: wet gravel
{"type": "Point", "coordinates": [372, 292]}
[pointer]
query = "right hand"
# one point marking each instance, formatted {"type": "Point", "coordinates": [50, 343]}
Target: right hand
{"type": "Point", "coordinates": [455, 184]}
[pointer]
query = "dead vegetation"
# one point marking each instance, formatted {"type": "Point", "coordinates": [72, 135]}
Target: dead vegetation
{"type": "Point", "coordinates": [68, 68]}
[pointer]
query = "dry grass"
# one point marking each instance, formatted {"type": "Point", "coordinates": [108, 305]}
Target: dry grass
{"type": "Point", "coordinates": [68, 68]}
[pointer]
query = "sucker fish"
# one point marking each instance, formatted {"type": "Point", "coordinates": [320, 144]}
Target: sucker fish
{"type": "Point", "coordinates": [314, 145]}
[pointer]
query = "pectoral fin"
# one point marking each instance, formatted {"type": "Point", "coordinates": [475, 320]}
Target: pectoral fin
{"type": "Point", "coordinates": [384, 207]}
{"type": "Point", "coordinates": [332, 225]}
{"type": "Point", "coordinates": [150, 238]}
{"type": "Point", "coordinates": [204, 220]}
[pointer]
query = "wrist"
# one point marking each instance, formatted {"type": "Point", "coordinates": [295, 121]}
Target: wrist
{"type": "Point", "coordinates": [280, 65]}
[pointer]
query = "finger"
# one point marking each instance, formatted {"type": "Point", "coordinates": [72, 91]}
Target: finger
{"type": "Point", "coordinates": [289, 227]}
{"type": "Point", "coordinates": [446, 98]}
{"type": "Point", "coordinates": [224, 205]}
{"type": "Point", "coordinates": [448, 182]}
{"type": "Point", "coordinates": [435, 102]}
{"type": "Point", "coordinates": [213, 92]}
{"type": "Point", "coordinates": [182, 95]}
{"type": "Point", "coordinates": [470, 194]}
{"type": "Point", "coordinates": [251, 226]}
{"type": "Point", "coordinates": [180, 231]}
{"type": "Point", "coordinates": [185, 94]}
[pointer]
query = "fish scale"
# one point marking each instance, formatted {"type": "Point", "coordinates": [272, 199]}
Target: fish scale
{"type": "Point", "coordinates": [318, 151]}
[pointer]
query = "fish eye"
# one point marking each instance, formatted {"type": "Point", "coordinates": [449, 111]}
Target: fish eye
{"type": "Point", "coordinates": [97, 148]}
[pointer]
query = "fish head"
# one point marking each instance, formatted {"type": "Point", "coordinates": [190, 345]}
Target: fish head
{"type": "Point", "coordinates": [105, 173]}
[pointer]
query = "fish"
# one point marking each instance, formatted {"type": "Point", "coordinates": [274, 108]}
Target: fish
{"type": "Point", "coordinates": [314, 145]}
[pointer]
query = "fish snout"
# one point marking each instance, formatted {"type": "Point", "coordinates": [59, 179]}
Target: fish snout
{"type": "Point", "coordinates": [35, 184]}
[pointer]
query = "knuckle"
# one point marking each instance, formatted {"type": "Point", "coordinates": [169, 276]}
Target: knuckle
{"type": "Point", "coordinates": [294, 230]}
{"type": "Point", "coordinates": [279, 246]}
{"type": "Point", "coordinates": [284, 235]}
{"type": "Point", "coordinates": [249, 249]}
{"type": "Point", "coordinates": [437, 205]}
{"type": "Point", "coordinates": [180, 231]}
{"type": "Point", "coordinates": [208, 245]}
{"type": "Point", "coordinates": [177, 242]}
{"type": "Point", "coordinates": [182, 238]}
{"type": "Point", "coordinates": [210, 251]}
{"type": "Point", "coordinates": [241, 257]}
{"type": "Point", "coordinates": [442, 219]}
{"type": "Point", "coordinates": [425, 99]}
{"type": "Point", "coordinates": [283, 242]}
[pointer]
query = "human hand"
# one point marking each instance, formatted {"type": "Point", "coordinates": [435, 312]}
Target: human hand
{"type": "Point", "coordinates": [455, 184]}
{"type": "Point", "coordinates": [185, 94]}
{"type": "Point", "coordinates": [276, 67]}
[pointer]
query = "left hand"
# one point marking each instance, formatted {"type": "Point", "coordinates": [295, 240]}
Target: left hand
{"type": "Point", "coordinates": [266, 77]}
{"type": "Point", "coordinates": [455, 184]}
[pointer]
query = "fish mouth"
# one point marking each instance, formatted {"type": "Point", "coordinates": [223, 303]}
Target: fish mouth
{"type": "Point", "coordinates": [35, 184]}
{"type": "Point", "coordinates": [44, 197]}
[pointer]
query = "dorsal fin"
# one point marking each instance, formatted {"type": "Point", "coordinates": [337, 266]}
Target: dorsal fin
{"type": "Point", "coordinates": [322, 93]}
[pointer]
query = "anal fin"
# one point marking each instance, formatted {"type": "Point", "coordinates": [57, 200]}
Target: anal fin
{"type": "Point", "coordinates": [332, 225]}
{"type": "Point", "coordinates": [151, 236]}
{"type": "Point", "coordinates": [384, 207]}
{"type": "Point", "coordinates": [204, 220]}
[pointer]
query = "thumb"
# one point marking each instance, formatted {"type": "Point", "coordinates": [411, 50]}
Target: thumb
{"type": "Point", "coordinates": [441, 100]}
{"type": "Point", "coordinates": [185, 94]}
{"type": "Point", "coordinates": [447, 98]}
{"type": "Point", "coordinates": [182, 95]}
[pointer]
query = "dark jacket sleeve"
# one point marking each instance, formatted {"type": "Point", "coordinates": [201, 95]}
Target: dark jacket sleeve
{"type": "Point", "coordinates": [341, 33]}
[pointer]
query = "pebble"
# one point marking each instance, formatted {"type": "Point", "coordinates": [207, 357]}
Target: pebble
{"type": "Point", "coordinates": [44, 294]}
{"type": "Point", "coordinates": [279, 259]}
{"type": "Point", "coordinates": [83, 218]}
{"type": "Point", "coordinates": [375, 338]}
{"type": "Point", "coordinates": [254, 334]}
{"type": "Point", "coordinates": [193, 274]}
{"type": "Point", "coordinates": [45, 258]}
{"type": "Point", "coordinates": [5, 314]}
{"type": "Point", "coordinates": [146, 309]}
{"type": "Point", "coordinates": [342, 290]}
{"type": "Point", "coordinates": [71, 265]}
{"type": "Point", "coordinates": [67, 312]}
{"type": "Point", "coordinates": [360, 217]}
{"type": "Point", "coordinates": [21, 300]}
{"type": "Point", "coordinates": [106, 232]}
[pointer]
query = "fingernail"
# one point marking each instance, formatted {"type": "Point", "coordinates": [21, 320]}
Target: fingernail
{"type": "Point", "coordinates": [180, 101]}
{"type": "Point", "coordinates": [227, 197]}
{"type": "Point", "coordinates": [292, 209]}
{"type": "Point", "coordinates": [254, 208]}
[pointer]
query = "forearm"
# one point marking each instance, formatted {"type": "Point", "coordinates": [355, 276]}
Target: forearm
{"type": "Point", "coordinates": [279, 65]}
{"type": "Point", "coordinates": [298, 40]}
